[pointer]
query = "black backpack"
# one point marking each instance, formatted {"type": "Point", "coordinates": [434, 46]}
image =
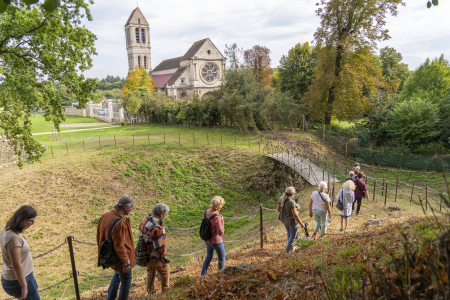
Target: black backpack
{"type": "Point", "coordinates": [108, 256]}
{"type": "Point", "coordinates": [205, 227]}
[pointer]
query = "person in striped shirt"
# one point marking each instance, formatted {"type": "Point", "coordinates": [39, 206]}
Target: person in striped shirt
{"type": "Point", "coordinates": [152, 230]}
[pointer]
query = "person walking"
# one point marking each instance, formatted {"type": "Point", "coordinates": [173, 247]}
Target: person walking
{"type": "Point", "coordinates": [288, 215]}
{"type": "Point", "coordinates": [217, 230]}
{"type": "Point", "coordinates": [152, 230]}
{"type": "Point", "coordinates": [17, 273]}
{"type": "Point", "coordinates": [319, 207]}
{"type": "Point", "coordinates": [122, 238]}
{"type": "Point", "coordinates": [351, 176]}
{"type": "Point", "coordinates": [360, 192]}
{"type": "Point", "coordinates": [347, 196]}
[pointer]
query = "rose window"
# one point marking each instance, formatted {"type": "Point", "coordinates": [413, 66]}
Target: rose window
{"type": "Point", "coordinates": [210, 72]}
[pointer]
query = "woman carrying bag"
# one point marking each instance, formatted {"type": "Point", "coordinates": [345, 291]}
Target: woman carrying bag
{"type": "Point", "coordinates": [346, 196]}
{"type": "Point", "coordinates": [288, 215]}
{"type": "Point", "coordinates": [319, 207]}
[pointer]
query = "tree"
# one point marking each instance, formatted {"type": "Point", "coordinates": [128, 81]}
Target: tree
{"type": "Point", "coordinates": [281, 109]}
{"type": "Point", "coordinates": [138, 79]}
{"type": "Point", "coordinates": [430, 81]}
{"type": "Point", "coordinates": [434, 2]}
{"type": "Point", "coordinates": [258, 61]}
{"type": "Point", "coordinates": [234, 56]}
{"type": "Point", "coordinates": [49, 5]}
{"type": "Point", "coordinates": [346, 73]}
{"type": "Point", "coordinates": [414, 122]}
{"type": "Point", "coordinates": [296, 69]}
{"type": "Point", "coordinates": [393, 70]}
{"type": "Point", "coordinates": [38, 51]}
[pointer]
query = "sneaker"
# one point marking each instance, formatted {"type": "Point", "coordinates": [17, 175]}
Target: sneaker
{"type": "Point", "coordinates": [341, 229]}
{"type": "Point", "coordinates": [314, 235]}
{"type": "Point", "coordinates": [358, 215]}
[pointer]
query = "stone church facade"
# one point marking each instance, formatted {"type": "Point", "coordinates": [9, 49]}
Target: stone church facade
{"type": "Point", "coordinates": [196, 73]}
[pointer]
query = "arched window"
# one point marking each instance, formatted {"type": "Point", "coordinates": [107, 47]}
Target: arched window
{"type": "Point", "coordinates": [183, 95]}
{"type": "Point", "coordinates": [137, 35]}
{"type": "Point", "coordinates": [139, 62]}
{"type": "Point", "coordinates": [139, 21]}
{"type": "Point", "coordinates": [145, 62]}
{"type": "Point", "coordinates": [143, 36]}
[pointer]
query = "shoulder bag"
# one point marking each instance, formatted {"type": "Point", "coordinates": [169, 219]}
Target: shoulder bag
{"type": "Point", "coordinates": [108, 256]}
{"type": "Point", "coordinates": [340, 203]}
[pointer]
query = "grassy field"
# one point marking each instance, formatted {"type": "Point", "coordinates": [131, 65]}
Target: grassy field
{"type": "Point", "coordinates": [39, 124]}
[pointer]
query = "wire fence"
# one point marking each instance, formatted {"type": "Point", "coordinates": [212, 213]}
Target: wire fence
{"type": "Point", "coordinates": [380, 185]}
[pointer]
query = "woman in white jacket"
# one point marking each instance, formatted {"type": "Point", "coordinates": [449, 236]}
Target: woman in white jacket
{"type": "Point", "coordinates": [347, 196]}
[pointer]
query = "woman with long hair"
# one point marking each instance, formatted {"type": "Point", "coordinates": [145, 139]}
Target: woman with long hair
{"type": "Point", "coordinates": [17, 273]}
{"type": "Point", "coordinates": [288, 215]}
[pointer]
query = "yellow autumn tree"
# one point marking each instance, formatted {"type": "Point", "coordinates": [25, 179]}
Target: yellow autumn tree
{"type": "Point", "coordinates": [138, 79]}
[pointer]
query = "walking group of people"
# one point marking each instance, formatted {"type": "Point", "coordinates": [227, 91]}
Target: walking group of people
{"type": "Point", "coordinates": [114, 235]}
{"type": "Point", "coordinates": [353, 190]}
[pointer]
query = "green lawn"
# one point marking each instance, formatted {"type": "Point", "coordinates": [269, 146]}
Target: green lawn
{"type": "Point", "coordinates": [40, 125]}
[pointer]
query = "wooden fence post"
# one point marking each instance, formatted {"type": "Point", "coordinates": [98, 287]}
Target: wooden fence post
{"type": "Point", "coordinates": [84, 147]}
{"type": "Point", "coordinates": [179, 138]}
{"type": "Point", "coordinates": [412, 191]}
{"type": "Point", "coordinates": [396, 188]}
{"type": "Point", "coordinates": [385, 193]}
{"type": "Point", "coordinates": [374, 188]}
{"type": "Point", "coordinates": [207, 137]}
{"type": "Point", "coordinates": [67, 148]}
{"type": "Point", "coordinates": [51, 147]}
{"type": "Point", "coordinates": [426, 198]}
{"type": "Point", "coordinates": [74, 268]}
{"type": "Point", "coordinates": [115, 142]}
{"type": "Point", "coordinates": [164, 138]}
{"type": "Point", "coordinates": [148, 137]}
{"type": "Point", "coordinates": [248, 142]}
{"type": "Point", "coordinates": [235, 141]}
{"type": "Point", "coordinates": [346, 149]}
{"type": "Point", "coordinates": [133, 139]}
{"type": "Point", "coordinates": [323, 175]}
{"type": "Point", "coordinates": [440, 204]}
{"type": "Point", "coordinates": [221, 140]}
{"type": "Point", "coordinates": [323, 131]}
{"type": "Point", "coordinates": [261, 225]}
{"type": "Point", "coordinates": [100, 143]}
{"type": "Point", "coordinates": [193, 137]}
{"type": "Point", "coordinates": [382, 190]}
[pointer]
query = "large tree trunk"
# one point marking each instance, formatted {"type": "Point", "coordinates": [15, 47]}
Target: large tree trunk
{"type": "Point", "coordinates": [331, 94]}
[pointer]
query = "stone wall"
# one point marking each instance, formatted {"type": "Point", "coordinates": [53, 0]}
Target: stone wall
{"type": "Point", "coordinates": [73, 111]}
{"type": "Point", "coordinates": [7, 156]}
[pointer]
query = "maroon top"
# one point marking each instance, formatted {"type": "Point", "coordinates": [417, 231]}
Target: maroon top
{"type": "Point", "coordinates": [217, 229]}
{"type": "Point", "coordinates": [362, 185]}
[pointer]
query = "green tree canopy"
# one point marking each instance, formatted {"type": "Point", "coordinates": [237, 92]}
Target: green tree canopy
{"type": "Point", "coordinates": [414, 122]}
{"type": "Point", "coordinates": [393, 70]}
{"type": "Point", "coordinates": [38, 51]}
{"type": "Point", "coordinates": [296, 70]}
{"type": "Point", "coordinates": [430, 81]}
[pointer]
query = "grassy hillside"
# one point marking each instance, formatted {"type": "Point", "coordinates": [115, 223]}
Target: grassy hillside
{"type": "Point", "coordinates": [71, 192]}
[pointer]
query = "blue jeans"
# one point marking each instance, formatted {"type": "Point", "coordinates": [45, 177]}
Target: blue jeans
{"type": "Point", "coordinates": [14, 289]}
{"type": "Point", "coordinates": [220, 250]}
{"type": "Point", "coordinates": [321, 221]}
{"type": "Point", "coordinates": [124, 280]}
{"type": "Point", "coordinates": [291, 235]}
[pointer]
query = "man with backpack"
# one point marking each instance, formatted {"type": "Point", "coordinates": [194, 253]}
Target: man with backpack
{"type": "Point", "coordinates": [116, 247]}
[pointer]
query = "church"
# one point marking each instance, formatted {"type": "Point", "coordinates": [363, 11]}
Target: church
{"type": "Point", "coordinates": [196, 73]}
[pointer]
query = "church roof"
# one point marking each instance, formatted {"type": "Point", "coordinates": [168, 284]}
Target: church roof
{"type": "Point", "coordinates": [136, 14]}
{"type": "Point", "coordinates": [175, 76]}
{"type": "Point", "coordinates": [171, 63]}
{"type": "Point", "coordinates": [161, 80]}
{"type": "Point", "coordinates": [194, 49]}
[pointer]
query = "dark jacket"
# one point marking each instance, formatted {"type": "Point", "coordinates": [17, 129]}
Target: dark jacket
{"type": "Point", "coordinates": [121, 235]}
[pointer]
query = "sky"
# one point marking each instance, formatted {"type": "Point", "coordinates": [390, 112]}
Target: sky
{"type": "Point", "coordinates": [417, 32]}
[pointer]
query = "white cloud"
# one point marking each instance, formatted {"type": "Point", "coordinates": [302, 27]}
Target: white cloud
{"type": "Point", "coordinates": [417, 32]}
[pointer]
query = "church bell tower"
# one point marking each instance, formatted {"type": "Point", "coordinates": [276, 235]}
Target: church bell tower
{"type": "Point", "coordinates": [137, 35]}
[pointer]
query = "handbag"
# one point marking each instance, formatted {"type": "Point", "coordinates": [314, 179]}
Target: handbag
{"type": "Point", "coordinates": [362, 192]}
{"type": "Point", "coordinates": [340, 203]}
{"type": "Point", "coordinates": [142, 257]}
